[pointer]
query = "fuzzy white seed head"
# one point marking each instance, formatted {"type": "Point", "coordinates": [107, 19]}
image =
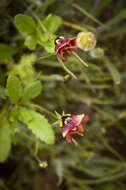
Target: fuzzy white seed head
{"type": "Point", "coordinates": [86, 41]}
{"type": "Point", "coordinates": [97, 53]}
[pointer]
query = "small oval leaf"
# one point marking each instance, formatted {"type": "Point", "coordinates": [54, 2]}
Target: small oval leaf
{"type": "Point", "coordinates": [14, 89]}
{"type": "Point", "coordinates": [25, 24]}
{"type": "Point", "coordinates": [32, 90]}
{"type": "Point", "coordinates": [52, 23]}
{"type": "Point", "coordinates": [31, 42]}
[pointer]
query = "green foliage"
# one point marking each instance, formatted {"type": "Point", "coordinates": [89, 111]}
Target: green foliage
{"type": "Point", "coordinates": [24, 68]}
{"type": "Point", "coordinates": [6, 51]}
{"type": "Point", "coordinates": [41, 33]}
{"type": "Point", "coordinates": [97, 160]}
{"type": "Point", "coordinates": [5, 139]}
{"type": "Point", "coordinates": [31, 42]}
{"type": "Point", "coordinates": [38, 124]}
{"type": "Point", "coordinates": [52, 23]}
{"type": "Point", "coordinates": [25, 24]}
{"type": "Point", "coordinates": [32, 90]}
{"type": "Point", "coordinates": [14, 89]}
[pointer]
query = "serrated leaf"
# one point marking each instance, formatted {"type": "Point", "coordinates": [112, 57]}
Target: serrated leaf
{"type": "Point", "coordinates": [38, 124]}
{"type": "Point", "coordinates": [6, 51]}
{"type": "Point", "coordinates": [31, 42]}
{"type": "Point", "coordinates": [5, 139]}
{"type": "Point", "coordinates": [52, 23]}
{"type": "Point", "coordinates": [32, 90]}
{"type": "Point", "coordinates": [14, 89]}
{"type": "Point", "coordinates": [25, 24]}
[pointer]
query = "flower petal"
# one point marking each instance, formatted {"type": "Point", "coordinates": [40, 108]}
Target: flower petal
{"type": "Point", "coordinates": [65, 132]}
{"type": "Point", "coordinates": [77, 119]}
{"type": "Point", "coordinates": [80, 128]}
{"type": "Point", "coordinates": [86, 118]}
{"type": "Point", "coordinates": [69, 138]}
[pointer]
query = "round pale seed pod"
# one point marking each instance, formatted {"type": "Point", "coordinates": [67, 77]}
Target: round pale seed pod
{"type": "Point", "coordinates": [86, 41]}
{"type": "Point", "coordinates": [97, 53]}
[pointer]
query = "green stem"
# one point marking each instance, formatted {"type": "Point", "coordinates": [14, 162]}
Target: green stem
{"type": "Point", "coordinates": [75, 26]}
{"type": "Point", "coordinates": [65, 68]}
{"type": "Point", "coordinates": [77, 56]}
{"type": "Point", "coordinates": [41, 108]}
{"type": "Point", "coordinates": [36, 146]}
{"type": "Point", "coordinates": [45, 56]}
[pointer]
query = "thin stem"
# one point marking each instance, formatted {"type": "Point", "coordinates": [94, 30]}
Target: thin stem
{"type": "Point", "coordinates": [65, 68]}
{"type": "Point", "coordinates": [41, 108]}
{"type": "Point", "coordinates": [36, 146]}
{"type": "Point", "coordinates": [45, 56]}
{"type": "Point", "coordinates": [71, 47]}
{"type": "Point", "coordinates": [83, 62]}
{"type": "Point", "coordinates": [75, 26]}
{"type": "Point", "coordinates": [82, 10]}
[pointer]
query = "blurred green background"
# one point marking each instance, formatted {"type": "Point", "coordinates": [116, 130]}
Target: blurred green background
{"type": "Point", "coordinates": [98, 162]}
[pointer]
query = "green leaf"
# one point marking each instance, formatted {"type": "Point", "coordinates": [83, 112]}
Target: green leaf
{"type": "Point", "coordinates": [52, 23]}
{"type": "Point", "coordinates": [31, 42]}
{"type": "Point", "coordinates": [6, 51]}
{"type": "Point", "coordinates": [14, 89]}
{"type": "Point", "coordinates": [32, 90]}
{"type": "Point", "coordinates": [50, 47]}
{"type": "Point", "coordinates": [46, 42]}
{"type": "Point", "coordinates": [38, 124]}
{"type": "Point", "coordinates": [25, 24]}
{"type": "Point", "coordinates": [42, 35]}
{"type": "Point", "coordinates": [5, 139]}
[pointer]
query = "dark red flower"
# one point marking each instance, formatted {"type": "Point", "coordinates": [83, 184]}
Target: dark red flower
{"type": "Point", "coordinates": [72, 124]}
{"type": "Point", "coordinates": [65, 45]}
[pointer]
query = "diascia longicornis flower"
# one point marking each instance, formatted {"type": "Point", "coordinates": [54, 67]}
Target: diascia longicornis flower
{"type": "Point", "coordinates": [72, 124]}
{"type": "Point", "coordinates": [65, 45]}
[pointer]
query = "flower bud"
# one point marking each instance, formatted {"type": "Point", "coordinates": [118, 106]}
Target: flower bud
{"type": "Point", "coordinates": [86, 41]}
{"type": "Point", "coordinates": [43, 164]}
